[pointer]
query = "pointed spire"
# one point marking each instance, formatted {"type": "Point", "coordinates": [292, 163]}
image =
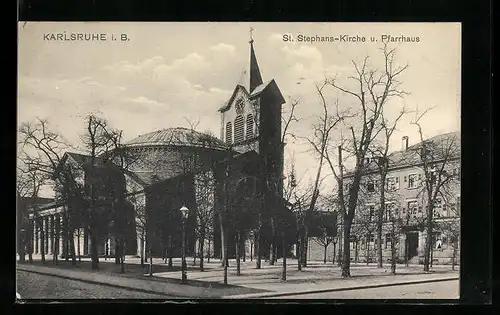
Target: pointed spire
{"type": "Point", "coordinates": [255, 77]}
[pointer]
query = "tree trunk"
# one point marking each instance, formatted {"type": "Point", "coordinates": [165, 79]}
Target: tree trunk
{"type": "Point", "coordinates": [243, 248]}
{"type": "Point", "coordinates": [258, 262]}
{"type": "Point", "coordinates": [208, 251]}
{"type": "Point", "coordinates": [407, 250]}
{"type": "Point", "coordinates": [356, 251]}
{"type": "Point", "coordinates": [380, 219]}
{"type": "Point", "coordinates": [334, 253]}
{"type": "Point", "coordinates": [305, 248]}
{"type": "Point", "coordinates": [432, 254]}
{"type": "Point", "coordinates": [346, 260]}
{"type": "Point", "coordinates": [118, 250]}
{"type": "Point", "coordinates": [393, 250]}
{"type": "Point", "coordinates": [30, 242]}
{"type": "Point", "coordinates": [73, 250]}
{"type": "Point", "coordinates": [272, 249]}
{"type": "Point", "coordinates": [150, 260]}
{"type": "Point", "coordinates": [238, 264]}
{"type": "Point", "coordinates": [251, 250]}
{"type": "Point", "coordinates": [324, 253]}
{"type": "Point", "coordinates": [94, 254]}
{"type": "Point", "coordinates": [428, 238]}
{"type": "Point", "coordinates": [453, 257]}
{"type": "Point", "coordinates": [367, 251]}
{"type": "Point", "coordinates": [300, 254]}
{"type": "Point", "coordinates": [79, 251]}
{"type": "Point", "coordinates": [122, 256]}
{"type": "Point", "coordinates": [202, 243]}
{"type": "Point", "coordinates": [42, 243]}
{"type": "Point", "coordinates": [223, 244]}
{"type": "Point", "coordinates": [170, 252]}
{"type": "Point", "coordinates": [283, 244]}
{"type": "Point", "coordinates": [141, 249]}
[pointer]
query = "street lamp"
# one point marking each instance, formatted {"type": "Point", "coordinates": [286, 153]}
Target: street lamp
{"type": "Point", "coordinates": [185, 213]}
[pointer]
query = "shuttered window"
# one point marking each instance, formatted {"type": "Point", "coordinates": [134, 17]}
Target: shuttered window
{"type": "Point", "coordinates": [229, 133]}
{"type": "Point", "coordinates": [249, 126]}
{"type": "Point", "coordinates": [239, 131]}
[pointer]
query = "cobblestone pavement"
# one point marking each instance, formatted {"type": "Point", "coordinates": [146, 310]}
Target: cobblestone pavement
{"type": "Point", "coordinates": [36, 286]}
{"type": "Point", "coordinates": [433, 290]}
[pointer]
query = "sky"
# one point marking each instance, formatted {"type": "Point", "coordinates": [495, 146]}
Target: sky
{"type": "Point", "coordinates": [167, 74]}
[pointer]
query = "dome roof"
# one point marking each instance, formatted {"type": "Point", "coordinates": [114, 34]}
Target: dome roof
{"type": "Point", "coordinates": [177, 137]}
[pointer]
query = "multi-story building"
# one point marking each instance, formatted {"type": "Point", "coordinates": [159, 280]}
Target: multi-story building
{"type": "Point", "coordinates": [411, 171]}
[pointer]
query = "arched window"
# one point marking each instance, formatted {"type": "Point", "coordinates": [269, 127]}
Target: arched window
{"type": "Point", "coordinates": [229, 133]}
{"type": "Point", "coordinates": [239, 129]}
{"type": "Point", "coordinates": [249, 126]}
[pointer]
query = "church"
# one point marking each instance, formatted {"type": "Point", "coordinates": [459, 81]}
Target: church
{"type": "Point", "coordinates": [231, 184]}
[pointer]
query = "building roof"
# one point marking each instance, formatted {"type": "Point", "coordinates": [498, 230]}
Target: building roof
{"type": "Point", "coordinates": [177, 137]}
{"type": "Point", "coordinates": [412, 155]}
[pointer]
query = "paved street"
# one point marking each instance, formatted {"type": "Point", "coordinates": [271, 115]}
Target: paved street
{"type": "Point", "coordinates": [35, 286]}
{"type": "Point", "coordinates": [432, 290]}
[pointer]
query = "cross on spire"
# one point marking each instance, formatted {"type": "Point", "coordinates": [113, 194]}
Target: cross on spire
{"type": "Point", "coordinates": [251, 38]}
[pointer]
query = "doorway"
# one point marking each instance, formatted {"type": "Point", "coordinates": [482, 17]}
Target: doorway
{"type": "Point", "coordinates": [412, 244]}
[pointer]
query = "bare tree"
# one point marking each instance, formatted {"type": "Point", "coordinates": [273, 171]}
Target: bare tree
{"type": "Point", "coordinates": [41, 151]}
{"type": "Point", "coordinates": [440, 162]}
{"type": "Point", "coordinates": [321, 143]}
{"type": "Point", "coordinates": [374, 89]}
{"type": "Point", "coordinates": [28, 184]}
{"type": "Point", "coordinates": [380, 151]}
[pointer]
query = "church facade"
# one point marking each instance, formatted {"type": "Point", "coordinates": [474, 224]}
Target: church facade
{"type": "Point", "coordinates": [232, 186]}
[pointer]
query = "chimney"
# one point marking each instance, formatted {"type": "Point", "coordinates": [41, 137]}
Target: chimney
{"type": "Point", "coordinates": [404, 143]}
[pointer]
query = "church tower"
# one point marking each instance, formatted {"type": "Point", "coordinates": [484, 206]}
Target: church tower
{"type": "Point", "coordinates": [251, 118]}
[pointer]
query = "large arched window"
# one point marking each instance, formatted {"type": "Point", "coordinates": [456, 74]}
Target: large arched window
{"type": "Point", "coordinates": [249, 126]}
{"type": "Point", "coordinates": [239, 129]}
{"type": "Point", "coordinates": [229, 133]}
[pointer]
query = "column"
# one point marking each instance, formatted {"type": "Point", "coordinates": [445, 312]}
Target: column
{"type": "Point", "coordinates": [46, 234]}
{"type": "Point", "coordinates": [58, 235]}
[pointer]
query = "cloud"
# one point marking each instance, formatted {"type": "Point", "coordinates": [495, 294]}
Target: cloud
{"type": "Point", "coordinates": [191, 63]}
{"type": "Point", "coordinates": [223, 48]}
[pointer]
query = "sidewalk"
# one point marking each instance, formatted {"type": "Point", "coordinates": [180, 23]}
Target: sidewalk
{"type": "Point", "coordinates": [252, 283]}
{"type": "Point", "coordinates": [146, 284]}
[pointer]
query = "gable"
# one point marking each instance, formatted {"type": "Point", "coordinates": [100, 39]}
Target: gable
{"type": "Point", "coordinates": [239, 92]}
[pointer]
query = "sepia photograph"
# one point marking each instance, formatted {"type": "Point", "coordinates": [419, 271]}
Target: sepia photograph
{"type": "Point", "coordinates": [236, 160]}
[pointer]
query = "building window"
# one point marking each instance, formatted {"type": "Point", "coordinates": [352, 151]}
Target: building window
{"type": "Point", "coordinates": [249, 126]}
{"type": "Point", "coordinates": [392, 183]}
{"type": "Point", "coordinates": [412, 181]}
{"type": "Point", "coordinates": [370, 238]}
{"type": "Point", "coordinates": [371, 211]}
{"type": "Point", "coordinates": [239, 129]}
{"type": "Point", "coordinates": [229, 133]}
{"type": "Point", "coordinates": [412, 209]}
{"type": "Point", "coordinates": [388, 240]}
{"type": "Point", "coordinates": [389, 211]}
{"type": "Point", "coordinates": [347, 187]}
{"type": "Point", "coordinates": [370, 187]}
{"type": "Point", "coordinates": [437, 211]}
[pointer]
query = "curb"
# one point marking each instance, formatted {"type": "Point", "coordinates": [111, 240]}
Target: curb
{"type": "Point", "coordinates": [106, 284]}
{"type": "Point", "coordinates": [264, 295]}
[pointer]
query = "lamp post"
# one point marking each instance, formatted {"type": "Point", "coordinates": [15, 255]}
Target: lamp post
{"type": "Point", "coordinates": [21, 250]}
{"type": "Point", "coordinates": [185, 212]}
